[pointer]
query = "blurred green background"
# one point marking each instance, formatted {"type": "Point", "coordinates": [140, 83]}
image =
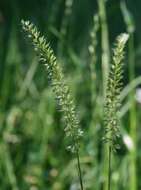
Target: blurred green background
{"type": "Point", "coordinates": [32, 142]}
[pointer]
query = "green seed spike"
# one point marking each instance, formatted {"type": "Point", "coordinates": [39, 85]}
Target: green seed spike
{"type": "Point", "coordinates": [114, 85]}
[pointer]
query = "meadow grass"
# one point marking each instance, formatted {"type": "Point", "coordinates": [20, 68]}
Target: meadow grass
{"type": "Point", "coordinates": [33, 141]}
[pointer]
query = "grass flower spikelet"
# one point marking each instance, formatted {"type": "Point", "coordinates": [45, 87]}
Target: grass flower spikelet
{"type": "Point", "coordinates": [114, 86]}
{"type": "Point", "coordinates": [56, 78]}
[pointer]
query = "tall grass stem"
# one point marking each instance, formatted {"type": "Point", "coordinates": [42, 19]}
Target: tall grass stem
{"type": "Point", "coordinates": [109, 168]}
{"type": "Point", "coordinates": [79, 170]}
{"type": "Point", "coordinates": [105, 59]}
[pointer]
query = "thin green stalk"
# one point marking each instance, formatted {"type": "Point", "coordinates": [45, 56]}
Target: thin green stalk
{"type": "Point", "coordinates": [109, 168]}
{"type": "Point", "coordinates": [104, 43]}
{"type": "Point", "coordinates": [28, 78]}
{"type": "Point", "coordinates": [79, 170]}
{"type": "Point", "coordinates": [105, 59]}
{"type": "Point", "coordinates": [131, 86]}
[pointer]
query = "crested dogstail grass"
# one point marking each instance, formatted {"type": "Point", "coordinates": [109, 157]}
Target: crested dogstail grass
{"type": "Point", "coordinates": [114, 85]}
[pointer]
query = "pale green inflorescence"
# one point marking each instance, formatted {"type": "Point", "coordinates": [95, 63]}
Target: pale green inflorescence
{"type": "Point", "coordinates": [56, 78]}
{"type": "Point", "coordinates": [114, 85]}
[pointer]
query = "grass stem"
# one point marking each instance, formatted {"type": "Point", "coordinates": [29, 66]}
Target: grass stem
{"type": "Point", "coordinates": [104, 43]}
{"type": "Point", "coordinates": [105, 59]}
{"type": "Point", "coordinates": [79, 170]}
{"type": "Point", "coordinates": [109, 168]}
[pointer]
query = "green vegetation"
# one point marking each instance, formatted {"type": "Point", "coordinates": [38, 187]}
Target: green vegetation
{"type": "Point", "coordinates": [70, 115]}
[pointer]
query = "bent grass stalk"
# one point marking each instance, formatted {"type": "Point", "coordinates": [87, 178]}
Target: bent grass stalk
{"type": "Point", "coordinates": [60, 89]}
{"type": "Point", "coordinates": [112, 102]}
{"type": "Point", "coordinates": [131, 86]}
